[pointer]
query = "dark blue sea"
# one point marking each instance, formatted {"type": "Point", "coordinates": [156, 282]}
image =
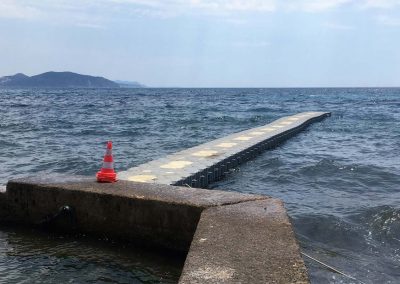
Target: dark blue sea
{"type": "Point", "coordinates": [339, 179]}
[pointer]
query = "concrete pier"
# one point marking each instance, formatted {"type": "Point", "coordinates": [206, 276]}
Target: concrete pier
{"type": "Point", "coordinates": [228, 237]}
{"type": "Point", "coordinates": [203, 164]}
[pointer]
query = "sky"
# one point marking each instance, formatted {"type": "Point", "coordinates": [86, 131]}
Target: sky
{"type": "Point", "coordinates": [205, 43]}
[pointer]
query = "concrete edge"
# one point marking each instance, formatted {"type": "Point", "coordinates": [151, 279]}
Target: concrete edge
{"type": "Point", "coordinates": [196, 197]}
{"type": "Point", "coordinates": [229, 237]}
{"type": "Point", "coordinates": [249, 242]}
{"type": "Point", "coordinates": [159, 216]}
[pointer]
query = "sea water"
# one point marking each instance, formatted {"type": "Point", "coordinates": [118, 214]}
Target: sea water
{"type": "Point", "coordinates": [339, 179]}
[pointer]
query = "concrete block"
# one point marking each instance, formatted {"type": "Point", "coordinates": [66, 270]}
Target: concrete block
{"type": "Point", "coordinates": [153, 214]}
{"type": "Point", "coordinates": [248, 242]}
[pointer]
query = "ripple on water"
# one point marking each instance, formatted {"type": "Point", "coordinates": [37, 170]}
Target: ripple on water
{"type": "Point", "coordinates": [39, 257]}
{"type": "Point", "coordinates": [339, 178]}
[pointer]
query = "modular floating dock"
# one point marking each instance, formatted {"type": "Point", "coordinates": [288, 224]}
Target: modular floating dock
{"type": "Point", "coordinates": [203, 164]}
{"type": "Point", "coordinates": [228, 237]}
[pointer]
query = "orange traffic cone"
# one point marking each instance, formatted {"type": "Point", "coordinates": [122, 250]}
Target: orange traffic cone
{"type": "Point", "coordinates": [106, 173]}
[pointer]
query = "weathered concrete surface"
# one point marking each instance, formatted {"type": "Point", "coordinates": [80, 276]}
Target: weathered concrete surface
{"type": "Point", "coordinates": [202, 198]}
{"type": "Point", "coordinates": [249, 242]}
{"type": "Point", "coordinates": [157, 215]}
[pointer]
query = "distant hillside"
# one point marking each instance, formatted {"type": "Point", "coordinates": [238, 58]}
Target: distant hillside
{"type": "Point", "coordinates": [9, 80]}
{"type": "Point", "coordinates": [56, 80]}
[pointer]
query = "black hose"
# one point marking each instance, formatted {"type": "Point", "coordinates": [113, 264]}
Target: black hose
{"type": "Point", "coordinates": [64, 220]}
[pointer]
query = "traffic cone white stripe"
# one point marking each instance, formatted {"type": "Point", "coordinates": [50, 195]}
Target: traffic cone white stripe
{"type": "Point", "coordinates": [108, 165]}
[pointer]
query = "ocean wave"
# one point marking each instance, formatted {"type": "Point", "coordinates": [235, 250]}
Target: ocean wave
{"type": "Point", "coordinates": [381, 223]}
{"type": "Point", "coordinates": [364, 176]}
{"type": "Point", "coordinates": [261, 109]}
{"type": "Point", "coordinates": [356, 231]}
{"type": "Point", "coordinates": [18, 105]}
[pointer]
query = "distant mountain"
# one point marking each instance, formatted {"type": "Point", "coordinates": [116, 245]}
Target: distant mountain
{"type": "Point", "coordinates": [129, 84]}
{"type": "Point", "coordinates": [6, 80]}
{"type": "Point", "coordinates": [56, 80]}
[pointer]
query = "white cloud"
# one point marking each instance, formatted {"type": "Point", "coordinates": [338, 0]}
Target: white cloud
{"type": "Point", "coordinates": [388, 20]}
{"type": "Point", "coordinates": [11, 9]}
{"type": "Point", "coordinates": [314, 6]}
{"type": "Point", "coordinates": [251, 44]}
{"type": "Point", "coordinates": [62, 10]}
{"type": "Point", "coordinates": [382, 4]}
{"type": "Point", "coordinates": [337, 26]}
{"type": "Point", "coordinates": [96, 13]}
{"type": "Point", "coordinates": [235, 5]}
{"type": "Point", "coordinates": [256, 5]}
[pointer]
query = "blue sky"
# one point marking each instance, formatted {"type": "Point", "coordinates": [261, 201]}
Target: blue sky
{"type": "Point", "coordinates": [204, 43]}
